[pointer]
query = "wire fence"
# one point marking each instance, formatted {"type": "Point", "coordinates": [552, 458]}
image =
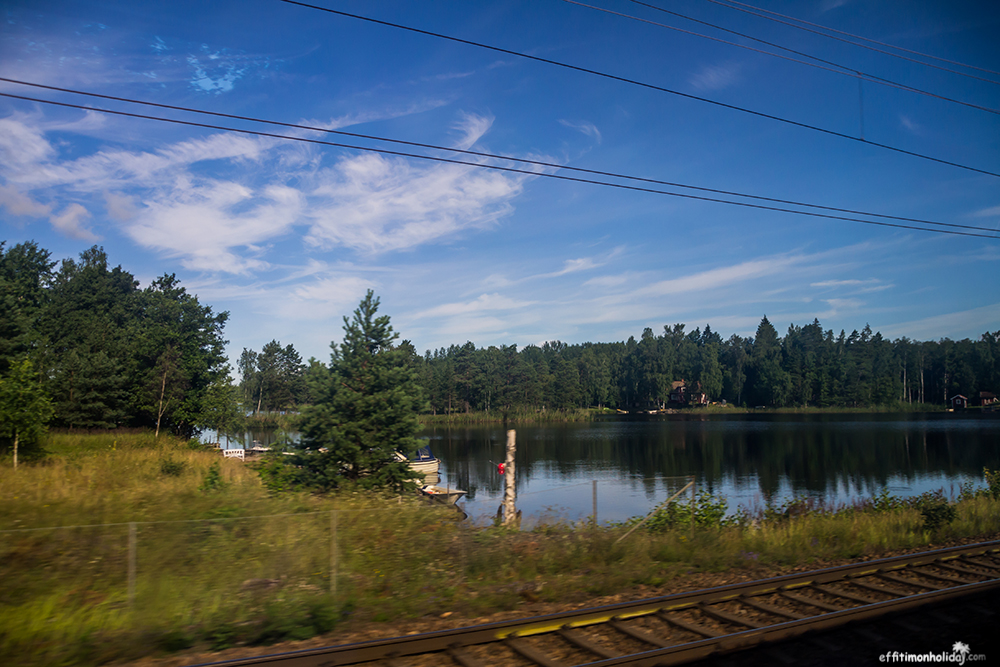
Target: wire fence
{"type": "Point", "coordinates": [141, 565]}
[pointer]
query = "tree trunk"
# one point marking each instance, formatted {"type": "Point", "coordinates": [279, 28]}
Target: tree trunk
{"type": "Point", "coordinates": [159, 411]}
{"type": "Point", "coordinates": [15, 450]}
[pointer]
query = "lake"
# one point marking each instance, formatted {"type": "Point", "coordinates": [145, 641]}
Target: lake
{"type": "Point", "coordinates": [749, 458]}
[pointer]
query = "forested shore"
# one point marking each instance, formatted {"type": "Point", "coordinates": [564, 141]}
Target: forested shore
{"type": "Point", "coordinates": [105, 353]}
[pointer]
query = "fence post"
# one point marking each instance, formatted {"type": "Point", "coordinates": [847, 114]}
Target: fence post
{"type": "Point", "coordinates": [333, 554]}
{"type": "Point", "coordinates": [131, 563]}
{"type": "Point", "coordinates": [595, 503]}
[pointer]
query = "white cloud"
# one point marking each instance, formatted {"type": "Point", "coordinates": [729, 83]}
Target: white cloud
{"type": "Point", "coordinates": [120, 207]}
{"type": "Point", "coordinates": [374, 204]}
{"type": "Point", "coordinates": [966, 323]}
{"type": "Point", "coordinates": [471, 128]}
{"type": "Point", "coordinates": [716, 77]}
{"type": "Point", "coordinates": [607, 281]}
{"type": "Point", "coordinates": [842, 283]}
{"type": "Point", "coordinates": [910, 125]}
{"type": "Point", "coordinates": [484, 302]}
{"type": "Point", "coordinates": [584, 127]}
{"type": "Point", "coordinates": [721, 277]}
{"type": "Point", "coordinates": [326, 297]}
{"type": "Point", "coordinates": [197, 199]}
{"type": "Point", "coordinates": [201, 223]}
{"type": "Point", "coordinates": [991, 212]}
{"type": "Point", "coordinates": [20, 204]}
{"type": "Point", "coordinates": [70, 223]}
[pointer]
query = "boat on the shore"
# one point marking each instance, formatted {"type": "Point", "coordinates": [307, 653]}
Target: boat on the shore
{"type": "Point", "coordinates": [422, 461]}
{"type": "Point", "coordinates": [442, 494]}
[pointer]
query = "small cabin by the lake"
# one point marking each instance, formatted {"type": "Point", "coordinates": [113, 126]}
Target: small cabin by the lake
{"type": "Point", "coordinates": [959, 402]}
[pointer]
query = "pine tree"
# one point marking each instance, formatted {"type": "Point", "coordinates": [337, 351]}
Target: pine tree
{"type": "Point", "coordinates": [365, 410]}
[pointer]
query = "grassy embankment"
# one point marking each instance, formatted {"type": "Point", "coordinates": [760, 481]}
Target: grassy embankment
{"type": "Point", "coordinates": [519, 416]}
{"type": "Point", "coordinates": [209, 575]}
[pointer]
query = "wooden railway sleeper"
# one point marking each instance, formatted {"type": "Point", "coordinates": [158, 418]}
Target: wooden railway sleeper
{"type": "Point", "coordinates": [526, 650]}
{"type": "Point", "coordinates": [772, 609]}
{"type": "Point", "coordinates": [989, 566]}
{"type": "Point", "coordinates": [818, 604]}
{"type": "Point", "coordinates": [462, 657]}
{"type": "Point", "coordinates": [693, 628]}
{"type": "Point", "coordinates": [725, 616]}
{"type": "Point", "coordinates": [888, 590]}
{"type": "Point", "coordinates": [836, 592]}
{"type": "Point", "coordinates": [959, 568]}
{"type": "Point", "coordinates": [641, 635]}
{"type": "Point", "coordinates": [889, 576]}
{"type": "Point", "coordinates": [576, 638]}
{"type": "Point", "coordinates": [945, 577]}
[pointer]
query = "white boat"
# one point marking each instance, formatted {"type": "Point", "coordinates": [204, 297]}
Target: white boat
{"type": "Point", "coordinates": [422, 461]}
{"type": "Point", "coordinates": [442, 494]}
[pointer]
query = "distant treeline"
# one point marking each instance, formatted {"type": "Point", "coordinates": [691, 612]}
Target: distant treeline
{"type": "Point", "coordinates": [110, 354]}
{"type": "Point", "coordinates": [808, 367]}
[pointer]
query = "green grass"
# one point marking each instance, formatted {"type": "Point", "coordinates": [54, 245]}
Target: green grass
{"type": "Point", "coordinates": [227, 564]}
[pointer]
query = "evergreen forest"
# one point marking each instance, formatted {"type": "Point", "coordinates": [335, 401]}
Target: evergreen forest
{"type": "Point", "coordinates": [110, 354]}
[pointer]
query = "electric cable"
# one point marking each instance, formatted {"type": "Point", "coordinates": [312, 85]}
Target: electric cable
{"type": "Point", "coordinates": [492, 156]}
{"type": "Point", "coordinates": [514, 170]}
{"type": "Point", "coordinates": [833, 67]}
{"type": "Point", "coordinates": [641, 84]}
{"type": "Point", "coordinates": [763, 14]}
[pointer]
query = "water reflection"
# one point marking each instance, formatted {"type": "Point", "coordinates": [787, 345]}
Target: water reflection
{"type": "Point", "coordinates": [750, 458]}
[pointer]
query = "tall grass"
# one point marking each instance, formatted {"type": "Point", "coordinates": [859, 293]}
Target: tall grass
{"type": "Point", "coordinates": [221, 564]}
{"type": "Point", "coordinates": [515, 416]}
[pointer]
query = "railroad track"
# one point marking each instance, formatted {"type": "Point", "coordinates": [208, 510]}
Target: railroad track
{"type": "Point", "coordinates": [684, 627]}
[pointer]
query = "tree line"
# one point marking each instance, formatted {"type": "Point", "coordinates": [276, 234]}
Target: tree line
{"type": "Point", "coordinates": [809, 366]}
{"type": "Point", "coordinates": [99, 352]}
{"type": "Point", "coordinates": [106, 353]}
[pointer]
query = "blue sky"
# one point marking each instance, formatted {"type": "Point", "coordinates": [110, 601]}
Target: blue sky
{"type": "Point", "coordinates": [288, 236]}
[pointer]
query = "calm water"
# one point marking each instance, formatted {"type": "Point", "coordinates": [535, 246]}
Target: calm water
{"type": "Point", "coordinates": [748, 458]}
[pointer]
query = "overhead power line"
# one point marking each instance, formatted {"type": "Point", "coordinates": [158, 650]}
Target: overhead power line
{"type": "Point", "coordinates": [763, 13]}
{"type": "Point", "coordinates": [650, 86]}
{"type": "Point", "coordinates": [492, 156]}
{"type": "Point", "coordinates": [833, 67]}
{"type": "Point", "coordinates": [515, 170]}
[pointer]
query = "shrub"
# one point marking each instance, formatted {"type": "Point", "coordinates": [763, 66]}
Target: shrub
{"type": "Point", "coordinates": [171, 468]}
{"type": "Point", "coordinates": [212, 481]}
{"type": "Point", "coordinates": [935, 509]}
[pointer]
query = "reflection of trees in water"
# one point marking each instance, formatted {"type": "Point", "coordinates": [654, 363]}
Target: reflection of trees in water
{"type": "Point", "coordinates": [811, 453]}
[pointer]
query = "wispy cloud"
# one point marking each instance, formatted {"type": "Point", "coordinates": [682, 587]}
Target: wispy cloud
{"type": "Point", "coordinates": [583, 127]}
{"type": "Point", "coordinates": [991, 212]}
{"type": "Point", "coordinates": [910, 125]}
{"type": "Point", "coordinates": [716, 77]}
{"type": "Point", "coordinates": [965, 323]}
{"type": "Point", "coordinates": [19, 204]}
{"type": "Point", "coordinates": [166, 200]}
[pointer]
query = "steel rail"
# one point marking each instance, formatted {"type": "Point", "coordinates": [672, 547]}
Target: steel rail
{"type": "Point", "coordinates": [887, 573]}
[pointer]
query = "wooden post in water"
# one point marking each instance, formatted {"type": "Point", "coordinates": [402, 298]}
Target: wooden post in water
{"type": "Point", "coordinates": [595, 503]}
{"type": "Point", "coordinates": [509, 494]}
